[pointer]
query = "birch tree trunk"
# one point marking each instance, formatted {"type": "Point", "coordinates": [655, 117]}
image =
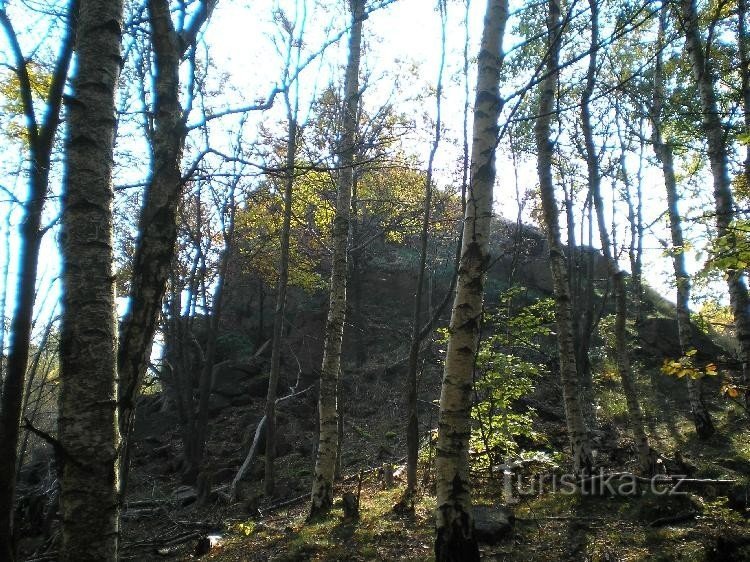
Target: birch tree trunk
{"type": "Point", "coordinates": [325, 461]}
{"type": "Point", "coordinates": [704, 426]}
{"type": "Point", "coordinates": [618, 277]}
{"type": "Point", "coordinates": [577, 430]}
{"type": "Point", "coordinates": [454, 522]}
{"type": "Point", "coordinates": [88, 425]}
{"type": "Point", "coordinates": [717, 154]}
{"type": "Point", "coordinates": [41, 137]}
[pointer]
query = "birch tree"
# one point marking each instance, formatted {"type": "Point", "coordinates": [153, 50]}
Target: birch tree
{"type": "Point", "coordinates": [616, 274]}
{"type": "Point", "coordinates": [455, 539]}
{"type": "Point", "coordinates": [664, 153]}
{"type": "Point", "coordinates": [702, 71]}
{"type": "Point", "coordinates": [577, 430]}
{"type": "Point", "coordinates": [325, 461]}
{"type": "Point", "coordinates": [88, 426]}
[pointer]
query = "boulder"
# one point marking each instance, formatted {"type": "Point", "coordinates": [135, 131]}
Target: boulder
{"type": "Point", "coordinates": [234, 378]}
{"type": "Point", "coordinates": [218, 404]}
{"type": "Point", "coordinates": [257, 387]}
{"type": "Point", "coordinates": [662, 507]}
{"type": "Point", "coordinates": [738, 498]}
{"type": "Point", "coordinates": [492, 524]}
{"type": "Point", "coordinates": [735, 464]}
{"type": "Point", "coordinates": [659, 339]}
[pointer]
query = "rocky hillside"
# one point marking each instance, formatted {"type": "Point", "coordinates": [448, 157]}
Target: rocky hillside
{"type": "Point", "coordinates": [165, 518]}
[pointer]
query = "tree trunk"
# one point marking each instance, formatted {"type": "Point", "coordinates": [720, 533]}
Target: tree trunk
{"type": "Point", "coordinates": [581, 276]}
{"type": "Point", "coordinates": [743, 46]}
{"type": "Point", "coordinates": [717, 153]}
{"type": "Point", "coordinates": [261, 334]}
{"type": "Point", "coordinates": [41, 139]}
{"type": "Point", "coordinates": [88, 425]}
{"type": "Point", "coordinates": [157, 227]}
{"type": "Point", "coordinates": [704, 426]}
{"type": "Point", "coordinates": [454, 522]}
{"type": "Point", "coordinates": [635, 219]}
{"type": "Point", "coordinates": [278, 319]}
{"type": "Point", "coordinates": [356, 274]}
{"type": "Point", "coordinates": [618, 279]}
{"type": "Point", "coordinates": [199, 430]}
{"type": "Point", "coordinates": [586, 309]}
{"type": "Point", "coordinates": [412, 415]}
{"type": "Point", "coordinates": [577, 430]}
{"type": "Point", "coordinates": [325, 462]}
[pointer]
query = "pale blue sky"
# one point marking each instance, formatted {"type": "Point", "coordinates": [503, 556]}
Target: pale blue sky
{"type": "Point", "coordinates": [402, 55]}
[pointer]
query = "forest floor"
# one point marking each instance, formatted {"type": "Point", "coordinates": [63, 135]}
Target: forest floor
{"type": "Point", "coordinates": [704, 524]}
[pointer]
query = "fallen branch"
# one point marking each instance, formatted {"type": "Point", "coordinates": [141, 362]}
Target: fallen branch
{"type": "Point", "coordinates": [678, 518]}
{"type": "Point", "coordinates": [261, 349]}
{"type": "Point", "coordinates": [362, 472]}
{"type": "Point", "coordinates": [142, 513]}
{"type": "Point", "coordinates": [170, 547]}
{"type": "Point", "coordinates": [248, 459]}
{"type": "Point", "coordinates": [205, 525]}
{"type": "Point", "coordinates": [558, 518]}
{"type": "Point", "coordinates": [143, 503]}
{"type": "Point", "coordinates": [662, 479]}
{"type": "Point", "coordinates": [254, 447]}
{"type": "Point", "coordinates": [284, 503]}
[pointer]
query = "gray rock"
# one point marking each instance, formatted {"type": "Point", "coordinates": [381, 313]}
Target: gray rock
{"type": "Point", "coordinates": [492, 524]}
{"type": "Point", "coordinates": [739, 499]}
{"type": "Point", "coordinates": [185, 495]}
{"type": "Point", "coordinates": [233, 378]}
{"type": "Point", "coordinates": [659, 338]}
{"type": "Point", "coordinates": [217, 404]}
{"type": "Point", "coordinates": [257, 386]}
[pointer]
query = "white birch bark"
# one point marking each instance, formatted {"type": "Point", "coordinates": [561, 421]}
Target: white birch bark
{"type": "Point", "coordinates": [453, 516]}
{"type": "Point", "coordinates": [325, 462]}
{"type": "Point", "coordinates": [704, 426]}
{"type": "Point", "coordinates": [577, 430]}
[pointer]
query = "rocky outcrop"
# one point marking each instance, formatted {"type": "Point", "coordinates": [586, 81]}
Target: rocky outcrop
{"type": "Point", "coordinates": [492, 524]}
{"type": "Point", "coordinates": [659, 339]}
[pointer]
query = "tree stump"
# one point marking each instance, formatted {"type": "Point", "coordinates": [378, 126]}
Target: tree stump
{"type": "Point", "coordinates": [204, 489]}
{"type": "Point", "coordinates": [351, 507]}
{"type": "Point", "coordinates": [387, 476]}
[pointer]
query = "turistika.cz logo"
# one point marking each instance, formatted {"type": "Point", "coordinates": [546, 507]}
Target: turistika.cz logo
{"type": "Point", "coordinates": [516, 485]}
